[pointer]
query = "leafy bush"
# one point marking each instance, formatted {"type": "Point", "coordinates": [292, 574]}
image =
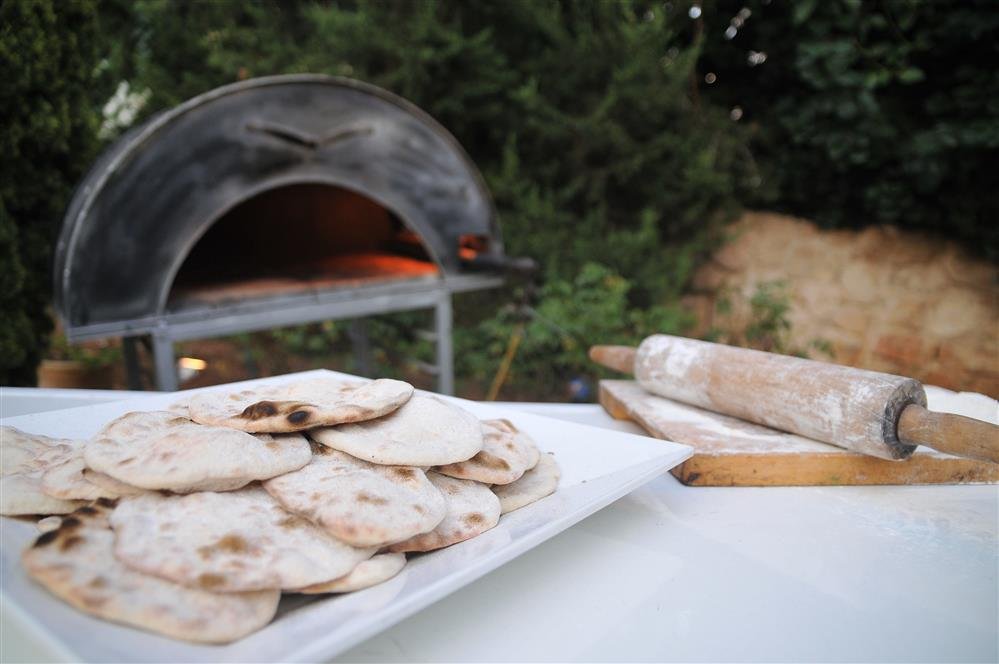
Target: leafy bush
{"type": "Point", "coordinates": [48, 56]}
{"type": "Point", "coordinates": [569, 317]}
{"type": "Point", "coordinates": [868, 112]}
{"type": "Point", "coordinates": [612, 159]}
{"type": "Point", "coordinates": [577, 112]}
{"type": "Point", "coordinates": [767, 326]}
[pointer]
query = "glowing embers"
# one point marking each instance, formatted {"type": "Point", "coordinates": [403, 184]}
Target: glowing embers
{"type": "Point", "coordinates": [296, 239]}
{"type": "Point", "coordinates": [470, 246]}
{"type": "Point", "coordinates": [345, 271]}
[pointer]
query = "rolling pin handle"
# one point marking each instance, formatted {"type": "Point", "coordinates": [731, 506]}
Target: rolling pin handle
{"type": "Point", "coordinates": [952, 434]}
{"type": "Point", "coordinates": [618, 358]}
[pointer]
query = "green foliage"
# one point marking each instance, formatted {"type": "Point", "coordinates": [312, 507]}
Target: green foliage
{"type": "Point", "coordinates": [48, 54]}
{"type": "Point", "coordinates": [576, 111]}
{"type": "Point", "coordinates": [768, 327]}
{"type": "Point", "coordinates": [94, 354]}
{"type": "Point", "coordinates": [570, 317]}
{"type": "Point", "coordinates": [612, 161]}
{"type": "Point", "coordinates": [870, 112]}
{"type": "Point", "coordinates": [316, 339]}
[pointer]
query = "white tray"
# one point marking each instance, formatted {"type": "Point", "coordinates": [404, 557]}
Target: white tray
{"type": "Point", "coordinates": [598, 467]}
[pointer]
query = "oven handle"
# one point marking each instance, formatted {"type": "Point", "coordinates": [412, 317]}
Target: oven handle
{"type": "Point", "coordinates": [520, 266]}
{"type": "Point", "coordinates": [293, 135]}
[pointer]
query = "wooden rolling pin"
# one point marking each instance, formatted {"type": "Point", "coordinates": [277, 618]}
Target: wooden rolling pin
{"type": "Point", "coordinates": [865, 411]}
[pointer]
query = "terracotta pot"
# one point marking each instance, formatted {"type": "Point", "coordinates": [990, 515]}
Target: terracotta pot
{"type": "Point", "coordinates": [72, 373]}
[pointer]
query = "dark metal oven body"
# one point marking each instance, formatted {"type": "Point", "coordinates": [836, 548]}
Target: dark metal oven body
{"type": "Point", "coordinates": [155, 193]}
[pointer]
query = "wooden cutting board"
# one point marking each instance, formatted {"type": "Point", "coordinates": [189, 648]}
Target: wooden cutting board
{"type": "Point", "coordinates": [731, 452]}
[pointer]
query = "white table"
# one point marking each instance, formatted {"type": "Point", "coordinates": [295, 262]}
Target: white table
{"type": "Point", "coordinates": [675, 573]}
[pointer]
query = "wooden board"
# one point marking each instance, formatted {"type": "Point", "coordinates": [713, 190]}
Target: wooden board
{"type": "Point", "coordinates": [731, 452]}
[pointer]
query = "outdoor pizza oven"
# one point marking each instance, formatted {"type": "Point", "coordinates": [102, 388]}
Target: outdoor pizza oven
{"type": "Point", "coordinates": [272, 202]}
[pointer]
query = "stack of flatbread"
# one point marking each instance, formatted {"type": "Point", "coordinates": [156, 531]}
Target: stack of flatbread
{"type": "Point", "coordinates": [191, 522]}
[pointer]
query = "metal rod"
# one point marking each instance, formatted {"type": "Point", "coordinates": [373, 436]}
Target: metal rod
{"type": "Point", "coordinates": [445, 352]}
{"type": "Point", "coordinates": [204, 321]}
{"type": "Point", "coordinates": [270, 313]}
{"type": "Point", "coordinates": [358, 333]}
{"type": "Point", "coordinates": [166, 365]}
{"type": "Point", "coordinates": [130, 348]}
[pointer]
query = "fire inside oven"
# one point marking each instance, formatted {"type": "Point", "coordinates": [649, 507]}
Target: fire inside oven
{"type": "Point", "coordinates": [299, 238]}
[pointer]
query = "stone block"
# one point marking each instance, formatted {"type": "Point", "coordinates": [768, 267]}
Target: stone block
{"type": "Point", "coordinates": [956, 312]}
{"type": "Point", "coordinates": [901, 310]}
{"type": "Point", "coordinates": [904, 350]}
{"type": "Point", "coordinates": [887, 300]}
{"type": "Point", "coordinates": [853, 320]}
{"type": "Point", "coordinates": [943, 378]}
{"type": "Point", "coordinates": [843, 353]}
{"type": "Point", "coordinates": [984, 382]}
{"type": "Point", "coordinates": [970, 352]}
{"type": "Point", "coordinates": [967, 271]}
{"type": "Point", "coordinates": [861, 283]}
{"type": "Point", "coordinates": [925, 279]}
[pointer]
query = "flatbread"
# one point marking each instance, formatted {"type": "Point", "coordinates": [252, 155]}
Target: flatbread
{"type": "Point", "coordinates": [227, 542]}
{"type": "Point", "coordinates": [161, 450]}
{"type": "Point", "coordinates": [299, 406]}
{"type": "Point", "coordinates": [110, 484]}
{"type": "Point", "coordinates": [48, 523]}
{"type": "Point", "coordinates": [371, 572]}
{"type": "Point", "coordinates": [360, 503]}
{"type": "Point", "coordinates": [24, 458]}
{"type": "Point", "coordinates": [540, 481]}
{"type": "Point", "coordinates": [472, 509]}
{"type": "Point", "coordinates": [67, 480]}
{"type": "Point", "coordinates": [425, 432]}
{"type": "Point", "coordinates": [506, 455]}
{"type": "Point", "coordinates": [75, 563]}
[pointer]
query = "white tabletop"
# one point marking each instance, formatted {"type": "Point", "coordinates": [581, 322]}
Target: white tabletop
{"type": "Point", "coordinates": [675, 573]}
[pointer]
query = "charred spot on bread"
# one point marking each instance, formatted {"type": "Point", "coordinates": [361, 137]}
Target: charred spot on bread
{"type": "Point", "coordinates": [46, 538]}
{"type": "Point", "coordinates": [364, 497]}
{"type": "Point", "coordinates": [209, 581]}
{"type": "Point", "coordinates": [319, 448]}
{"type": "Point", "coordinates": [255, 411]}
{"type": "Point", "coordinates": [299, 416]}
{"type": "Point", "coordinates": [403, 472]}
{"type": "Point", "coordinates": [291, 521]}
{"type": "Point", "coordinates": [69, 523]}
{"type": "Point", "coordinates": [490, 461]}
{"type": "Point", "coordinates": [474, 519]}
{"type": "Point", "coordinates": [232, 543]}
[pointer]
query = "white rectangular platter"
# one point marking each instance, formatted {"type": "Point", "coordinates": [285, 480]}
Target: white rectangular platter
{"type": "Point", "coordinates": [598, 467]}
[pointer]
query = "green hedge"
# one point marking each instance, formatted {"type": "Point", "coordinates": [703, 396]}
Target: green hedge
{"type": "Point", "coordinates": [577, 113]}
{"type": "Point", "coordinates": [48, 57]}
{"type": "Point", "coordinates": [612, 159]}
{"type": "Point", "coordinates": [869, 112]}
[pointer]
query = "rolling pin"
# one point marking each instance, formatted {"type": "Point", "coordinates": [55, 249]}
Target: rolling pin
{"type": "Point", "coordinates": [866, 411]}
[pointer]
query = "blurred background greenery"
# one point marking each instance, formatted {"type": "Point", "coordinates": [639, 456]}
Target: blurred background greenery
{"type": "Point", "coordinates": [618, 139]}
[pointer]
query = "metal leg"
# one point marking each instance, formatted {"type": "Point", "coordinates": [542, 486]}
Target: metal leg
{"type": "Point", "coordinates": [130, 348]}
{"type": "Point", "coordinates": [445, 353]}
{"type": "Point", "coordinates": [358, 333]}
{"type": "Point", "coordinates": [166, 365]}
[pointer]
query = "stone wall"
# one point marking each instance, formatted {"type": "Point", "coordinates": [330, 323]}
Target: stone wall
{"type": "Point", "coordinates": [879, 298]}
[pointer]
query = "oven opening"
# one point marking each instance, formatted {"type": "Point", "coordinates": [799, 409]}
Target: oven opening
{"type": "Point", "coordinates": [299, 238]}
